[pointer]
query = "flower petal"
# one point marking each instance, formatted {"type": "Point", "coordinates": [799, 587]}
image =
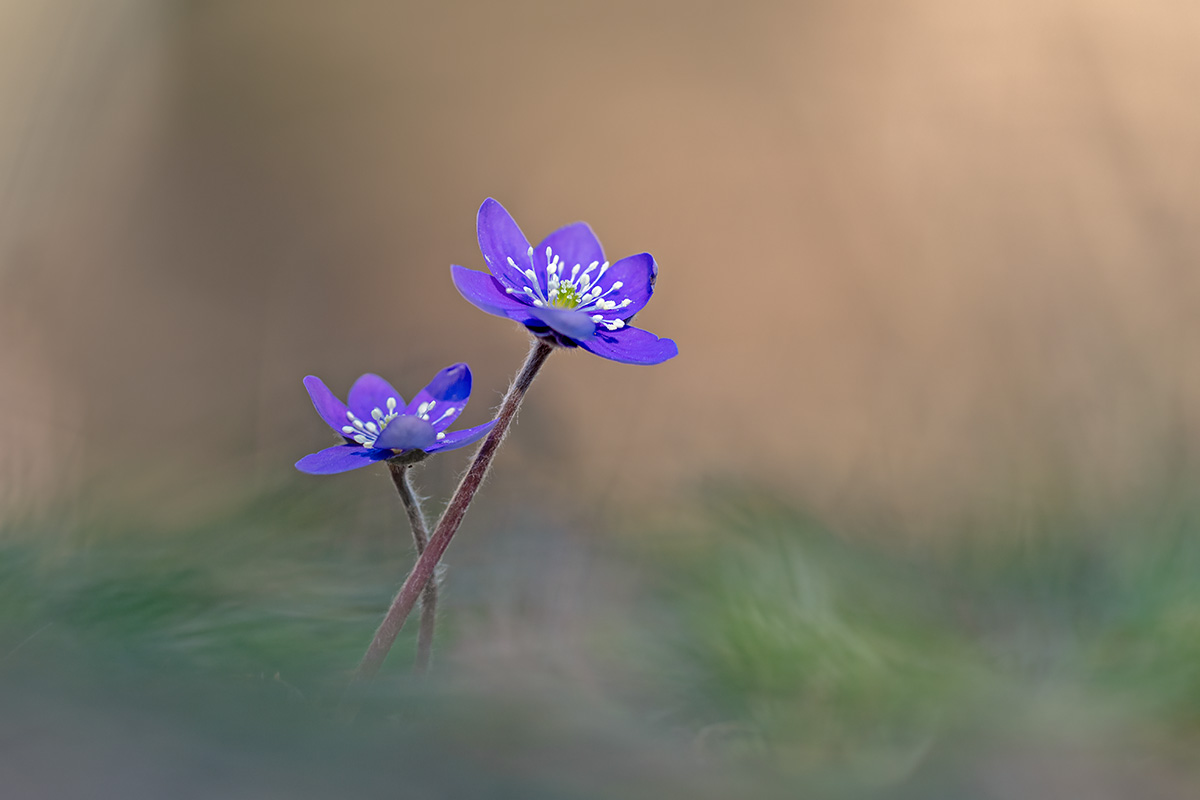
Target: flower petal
{"type": "Point", "coordinates": [461, 438]}
{"type": "Point", "coordinates": [332, 410]}
{"type": "Point", "coordinates": [499, 240]}
{"type": "Point", "coordinates": [451, 384]}
{"type": "Point", "coordinates": [487, 294]}
{"type": "Point", "coordinates": [637, 275]}
{"type": "Point", "coordinates": [573, 244]}
{"type": "Point", "coordinates": [406, 433]}
{"type": "Point", "coordinates": [340, 458]}
{"type": "Point", "coordinates": [572, 324]}
{"type": "Point", "coordinates": [372, 392]}
{"type": "Point", "coordinates": [630, 346]}
{"type": "Point", "coordinates": [445, 397]}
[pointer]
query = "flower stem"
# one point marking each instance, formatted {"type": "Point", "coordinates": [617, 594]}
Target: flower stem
{"type": "Point", "coordinates": [423, 570]}
{"type": "Point", "coordinates": [420, 533]}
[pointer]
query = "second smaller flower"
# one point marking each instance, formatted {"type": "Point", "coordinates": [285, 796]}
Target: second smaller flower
{"type": "Point", "coordinates": [377, 425]}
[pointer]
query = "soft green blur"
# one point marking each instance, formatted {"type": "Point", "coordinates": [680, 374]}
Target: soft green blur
{"type": "Point", "coordinates": [746, 652]}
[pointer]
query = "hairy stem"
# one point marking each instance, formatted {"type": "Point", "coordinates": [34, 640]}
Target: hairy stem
{"type": "Point", "coordinates": [423, 570]}
{"type": "Point", "coordinates": [420, 533]}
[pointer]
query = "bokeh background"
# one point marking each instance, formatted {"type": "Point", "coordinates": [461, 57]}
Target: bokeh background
{"type": "Point", "coordinates": [931, 266]}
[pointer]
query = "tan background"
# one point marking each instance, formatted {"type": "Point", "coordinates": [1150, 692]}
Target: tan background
{"type": "Point", "coordinates": [919, 256]}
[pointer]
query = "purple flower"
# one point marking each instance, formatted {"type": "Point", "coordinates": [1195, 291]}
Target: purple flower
{"type": "Point", "coordinates": [563, 290]}
{"type": "Point", "coordinates": [377, 425]}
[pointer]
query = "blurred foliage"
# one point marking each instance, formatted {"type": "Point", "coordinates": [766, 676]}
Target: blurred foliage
{"type": "Point", "coordinates": [758, 654]}
{"type": "Point", "coordinates": [824, 652]}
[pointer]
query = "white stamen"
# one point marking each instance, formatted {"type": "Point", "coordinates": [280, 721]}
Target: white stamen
{"type": "Point", "coordinates": [582, 286]}
{"type": "Point", "coordinates": [441, 436]}
{"type": "Point", "coordinates": [366, 433]}
{"type": "Point", "coordinates": [596, 293]}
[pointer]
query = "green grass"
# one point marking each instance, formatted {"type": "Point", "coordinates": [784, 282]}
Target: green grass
{"type": "Point", "coordinates": [750, 653]}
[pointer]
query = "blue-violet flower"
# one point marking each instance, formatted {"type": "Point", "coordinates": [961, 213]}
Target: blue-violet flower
{"type": "Point", "coordinates": [563, 290]}
{"type": "Point", "coordinates": [377, 425]}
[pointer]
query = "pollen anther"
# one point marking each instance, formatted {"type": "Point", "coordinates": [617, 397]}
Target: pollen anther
{"type": "Point", "coordinates": [582, 291]}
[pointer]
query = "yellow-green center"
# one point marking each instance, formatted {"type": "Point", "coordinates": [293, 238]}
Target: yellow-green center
{"type": "Point", "coordinates": [565, 297]}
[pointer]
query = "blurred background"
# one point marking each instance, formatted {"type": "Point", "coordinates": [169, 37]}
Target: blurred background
{"type": "Point", "coordinates": [929, 441]}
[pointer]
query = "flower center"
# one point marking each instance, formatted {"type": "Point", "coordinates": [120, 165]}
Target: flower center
{"type": "Point", "coordinates": [581, 290]}
{"type": "Point", "coordinates": [366, 432]}
{"type": "Point", "coordinates": [566, 296]}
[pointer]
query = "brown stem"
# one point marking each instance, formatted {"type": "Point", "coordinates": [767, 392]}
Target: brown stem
{"type": "Point", "coordinates": [423, 570]}
{"type": "Point", "coordinates": [420, 533]}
